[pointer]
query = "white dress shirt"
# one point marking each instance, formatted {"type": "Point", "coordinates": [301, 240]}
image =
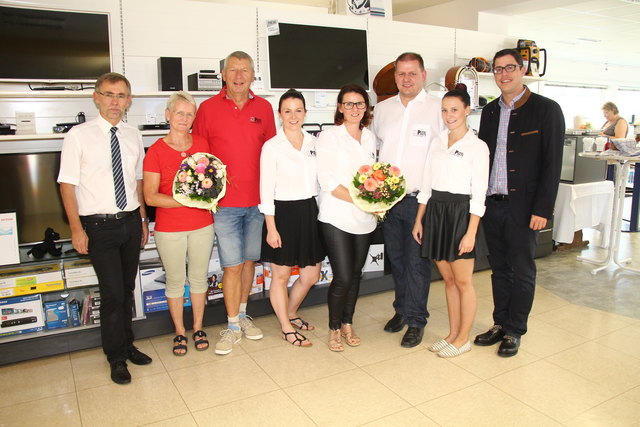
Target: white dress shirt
{"type": "Point", "coordinates": [339, 157]}
{"type": "Point", "coordinates": [462, 168]}
{"type": "Point", "coordinates": [404, 133]}
{"type": "Point", "coordinates": [286, 173]}
{"type": "Point", "coordinates": [86, 163]}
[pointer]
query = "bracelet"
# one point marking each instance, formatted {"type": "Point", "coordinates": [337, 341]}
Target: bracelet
{"type": "Point", "coordinates": [145, 219]}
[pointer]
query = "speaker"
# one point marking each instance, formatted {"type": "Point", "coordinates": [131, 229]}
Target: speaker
{"type": "Point", "coordinates": [169, 73]}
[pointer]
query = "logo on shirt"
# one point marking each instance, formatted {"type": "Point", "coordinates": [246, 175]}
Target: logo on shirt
{"type": "Point", "coordinates": [372, 155]}
{"type": "Point", "coordinates": [458, 154]}
{"type": "Point", "coordinates": [312, 153]}
{"type": "Point", "coordinates": [420, 133]}
{"type": "Point", "coordinates": [255, 119]}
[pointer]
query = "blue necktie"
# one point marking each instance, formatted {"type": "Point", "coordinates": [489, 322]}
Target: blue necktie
{"type": "Point", "coordinates": [116, 166]}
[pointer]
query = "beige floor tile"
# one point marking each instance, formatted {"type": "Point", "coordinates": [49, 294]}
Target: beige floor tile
{"type": "Point", "coordinates": [288, 365]}
{"type": "Point", "coordinates": [618, 412]}
{"type": "Point", "coordinates": [35, 379]}
{"type": "Point", "coordinates": [421, 376]}
{"type": "Point", "coordinates": [350, 398]}
{"type": "Point", "coordinates": [145, 400]}
{"type": "Point", "coordinates": [379, 306]}
{"type": "Point", "coordinates": [91, 369]}
{"type": "Point", "coordinates": [588, 322]}
{"type": "Point", "coordinates": [485, 363]}
{"type": "Point", "coordinates": [482, 283]}
{"type": "Point", "coordinates": [220, 382]}
{"type": "Point", "coordinates": [483, 405]}
{"type": "Point", "coordinates": [163, 346]}
{"type": "Point", "coordinates": [633, 394]}
{"type": "Point", "coordinates": [319, 317]}
{"type": "Point", "coordinates": [437, 296]}
{"type": "Point", "coordinates": [61, 410]}
{"type": "Point", "coordinates": [545, 300]}
{"type": "Point", "coordinates": [270, 409]}
{"type": "Point", "coordinates": [377, 345]}
{"type": "Point", "coordinates": [552, 390]}
{"type": "Point", "coordinates": [272, 335]}
{"type": "Point", "coordinates": [185, 420]}
{"type": "Point", "coordinates": [409, 417]}
{"type": "Point", "coordinates": [611, 369]}
{"type": "Point", "coordinates": [625, 340]}
{"type": "Point", "coordinates": [437, 326]}
{"type": "Point", "coordinates": [543, 339]}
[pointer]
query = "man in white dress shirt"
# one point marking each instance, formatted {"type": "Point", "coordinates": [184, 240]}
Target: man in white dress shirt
{"type": "Point", "coordinates": [101, 187]}
{"type": "Point", "coordinates": [404, 126]}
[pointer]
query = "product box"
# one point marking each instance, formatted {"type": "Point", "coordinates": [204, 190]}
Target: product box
{"type": "Point", "coordinates": [258, 280]}
{"type": "Point", "coordinates": [155, 299]}
{"type": "Point", "coordinates": [9, 248]}
{"type": "Point", "coordinates": [326, 274]}
{"type": "Point", "coordinates": [23, 315]}
{"type": "Point", "coordinates": [295, 273]}
{"type": "Point", "coordinates": [375, 259]}
{"type": "Point", "coordinates": [74, 312]}
{"type": "Point", "coordinates": [79, 273]}
{"type": "Point", "coordinates": [56, 314]}
{"type": "Point", "coordinates": [31, 279]}
{"type": "Point", "coordinates": [214, 280]}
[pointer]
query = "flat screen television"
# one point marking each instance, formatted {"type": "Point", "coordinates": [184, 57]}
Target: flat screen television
{"type": "Point", "coordinates": [30, 189]}
{"type": "Point", "coordinates": [312, 57]}
{"type": "Point", "coordinates": [40, 45]}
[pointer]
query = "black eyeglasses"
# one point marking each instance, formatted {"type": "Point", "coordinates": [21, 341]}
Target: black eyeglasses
{"type": "Point", "coordinates": [359, 105]}
{"type": "Point", "coordinates": [509, 68]}
{"type": "Point", "coordinates": [118, 96]}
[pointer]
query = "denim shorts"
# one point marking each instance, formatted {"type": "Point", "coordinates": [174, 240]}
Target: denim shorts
{"type": "Point", "coordinates": [239, 234]}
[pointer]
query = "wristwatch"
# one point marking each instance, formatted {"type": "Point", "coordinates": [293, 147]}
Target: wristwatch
{"type": "Point", "coordinates": [146, 219]}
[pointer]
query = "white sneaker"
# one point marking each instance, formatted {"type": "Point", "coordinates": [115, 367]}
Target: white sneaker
{"type": "Point", "coordinates": [228, 338]}
{"type": "Point", "coordinates": [250, 330]}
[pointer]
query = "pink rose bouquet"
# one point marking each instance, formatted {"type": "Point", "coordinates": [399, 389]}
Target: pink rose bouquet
{"type": "Point", "coordinates": [377, 188]}
{"type": "Point", "coordinates": [200, 182]}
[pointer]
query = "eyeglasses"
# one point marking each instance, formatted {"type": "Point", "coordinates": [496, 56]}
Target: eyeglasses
{"type": "Point", "coordinates": [509, 68]}
{"type": "Point", "coordinates": [359, 105]}
{"type": "Point", "coordinates": [118, 96]}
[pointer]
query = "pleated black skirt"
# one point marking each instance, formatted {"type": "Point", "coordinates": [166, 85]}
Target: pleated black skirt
{"type": "Point", "coordinates": [297, 223]}
{"type": "Point", "coordinates": [445, 223]}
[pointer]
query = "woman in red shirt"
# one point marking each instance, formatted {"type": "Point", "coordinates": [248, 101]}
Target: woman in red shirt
{"type": "Point", "coordinates": [180, 231]}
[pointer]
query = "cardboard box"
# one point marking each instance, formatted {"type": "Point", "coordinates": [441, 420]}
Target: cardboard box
{"type": "Point", "coordinates": [26, 315]}
{"type": "Point", "coordinates": [155, 300]}
{"type": "Point", "coordinates": [375, 259]}
{"type": "Point", "coordinates": [326, 274]}
{"type": "Point", "coordinates": [31, 279]}
{"type": "Point", "coordinates": [258, 280]}
{"type": "Point", "coordinates": [56, 314]}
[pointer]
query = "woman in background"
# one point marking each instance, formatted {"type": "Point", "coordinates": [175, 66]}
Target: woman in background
{"type": "Point", "coordinates": [288, 186]}
{"type": "Point", "coordinates": [346, 230]}
{"type": "Point", "coordinates": [615, 126]}
{"type": "Point", "coordinates": [180, 231]}
{"type": "Point", "coordinates": [451, 202]}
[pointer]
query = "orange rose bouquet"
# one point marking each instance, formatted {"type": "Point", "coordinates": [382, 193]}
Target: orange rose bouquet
{"type": "Point", "coordinates": [377, 188]}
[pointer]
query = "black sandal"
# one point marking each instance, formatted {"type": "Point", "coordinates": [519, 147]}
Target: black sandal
{"type": "Point", "coordinates": [298, 323]}
{"type": "Point", "coordinates": [179, 339]}
{"type": "Point", "coordinates": [201, 339]}
{"type": "Point", "coordinates": [298, 342]}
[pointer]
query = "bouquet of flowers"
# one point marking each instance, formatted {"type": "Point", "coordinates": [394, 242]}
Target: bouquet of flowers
{"type": "Point", "coordinates": [377, 188]}
{"type": "Point", "coordinates": [200, 182]}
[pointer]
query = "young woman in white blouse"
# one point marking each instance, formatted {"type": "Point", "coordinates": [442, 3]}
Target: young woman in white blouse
{"type": "Point", "coordinates": [451, 203]}
{"type": "Point", "coordinates": [345, 229]}
{"type": "Point", "coordinates": [288, 186]}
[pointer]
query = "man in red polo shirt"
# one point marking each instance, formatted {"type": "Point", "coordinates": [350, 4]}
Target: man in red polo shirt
{"type": "Point", "coordinates": [236, 123]}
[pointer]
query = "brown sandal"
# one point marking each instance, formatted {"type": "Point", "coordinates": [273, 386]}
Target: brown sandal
{"type": "Point", "coordinates": [352, 339]}
{"type": "Point", "coordinates": [335, 343]}
{"type": "Point", "coordinates": [299, 339]}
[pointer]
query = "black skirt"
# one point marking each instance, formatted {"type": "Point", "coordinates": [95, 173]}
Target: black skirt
{"type": "Point", "coordinates": [445, 224]}
{"type": "Point", "coordinates": [297, 224]}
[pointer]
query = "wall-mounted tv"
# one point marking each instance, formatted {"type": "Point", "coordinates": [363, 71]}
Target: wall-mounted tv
{"type": "Point", "coordinates": [312, 57]}
{"type": "Point", "coordinates": [40, 45]}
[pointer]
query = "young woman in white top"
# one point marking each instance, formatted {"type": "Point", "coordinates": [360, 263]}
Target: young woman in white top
{"type": "Point", "coordinates": [345, 229]}
{"type": "Point", "coordinates": [451, 202]}
{"type": "Point", "coordinates": [288, 186]}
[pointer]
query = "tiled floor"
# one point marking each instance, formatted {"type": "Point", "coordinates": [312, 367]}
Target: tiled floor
{"type": "Point", "coordinates": [579, 365]}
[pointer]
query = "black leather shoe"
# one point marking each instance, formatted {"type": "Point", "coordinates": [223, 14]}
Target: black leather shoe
{"type": "Point", "coordinates": [119, 372]}
{"type": "Point", "coordinates": [491, 337]}
{"type": "Point", "coordinates": [509, 346]}
{"type": "Point", "coordinates": [395, 324]}
{"type": "Point", "coordinates": [412, 337]}
{"type": "Point", "coordinates": [137, 357]}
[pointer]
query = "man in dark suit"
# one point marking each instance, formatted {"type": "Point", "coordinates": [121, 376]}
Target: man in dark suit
{"type": "Point", "coordinates": [524, 132]}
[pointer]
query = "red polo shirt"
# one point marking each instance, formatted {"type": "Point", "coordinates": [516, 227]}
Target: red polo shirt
{"type": "Point", "coordinates": [236, 137]}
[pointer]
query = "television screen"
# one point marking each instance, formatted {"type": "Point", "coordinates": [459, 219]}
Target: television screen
{"type": "Point", "coordinates": [310, 57]}
{"type": "Point", "coordinates": [32, 191]}
{"type": "Point", "coordinates": [47, 45]}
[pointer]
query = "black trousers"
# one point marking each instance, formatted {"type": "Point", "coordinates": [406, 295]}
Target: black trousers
{"type": "Point", "coordinates": [114, 249]}
{"type": "Point", "coordinates": [512, 250]}
{"type": "Point", "coordinates": [347, 254]}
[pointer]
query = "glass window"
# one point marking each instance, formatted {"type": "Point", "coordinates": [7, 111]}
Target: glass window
{"type": "Point", "coordinates": [628, 103]}
{"type": "Point", "coordinates": [583, 101]}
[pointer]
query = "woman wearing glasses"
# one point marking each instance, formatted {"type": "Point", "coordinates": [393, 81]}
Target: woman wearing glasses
{"type": "Point", "coordinates": [180, 231]}
{"type": "Point", "coordinates": [345, 229]}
